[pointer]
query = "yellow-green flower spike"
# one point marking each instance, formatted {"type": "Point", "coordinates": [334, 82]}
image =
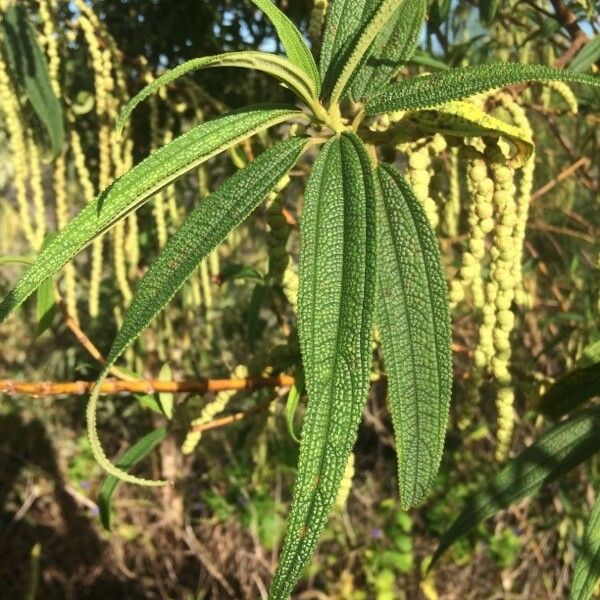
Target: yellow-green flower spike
{"type": "Point", "coordinates": [37, 191]}
{"type": "Point", "coordinates": [502, 292]}
{"type": "Point", "coordinates": [346, 483]}
{"type": "Point", "coordinates": [481, 189]}
{"type": "Point", "coordinates": [506, 419]}
{"type": "Point", "coordinates": [47, 19]}
{"type": "Point", "coordinates": [280, 265]}
{"type": "Point", "coordinates": [9, 105]}
{"type": "Point", "coordinates": [317, 20]}
{"type": "Point", "coordinates": [419, 175]}
{"type": "Point", "coordinates": [62, 217]}
{"type": "Point", "coordinates": [566, 93]}
{"type": "Point", "coordinates": [523, 199]}
{"type": "Point", "coordinates": [210, 411]}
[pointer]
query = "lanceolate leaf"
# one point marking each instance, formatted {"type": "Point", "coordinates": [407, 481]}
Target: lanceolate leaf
{"type": "Point", "coordinates": [344, 24]}
{"type": "Point", "coordinates": [335, 307]}
{"type": "Point", "coordinates": [45, 306]}
{"type": "Point", "coordinates": [559, 450]}
{"type": "Point", "coordinates": [414, 322]}
{"type": "Point", "coordinates": [385, 12]}
{"type": "Point", "coordinates": [277, 66]}
{"type": "Point", "coordinates": [137, 452]}
{"type": "Point", "coordinates": [205, 227]}
{"type": "Point", "coordinates": [430, 91]}
{"type": "Point", "coordinates": [393, 47]}
{"type": "Point", "coordinates": [465, 119]}
{"type": "Point", "coordinates": [134, 188]}
{"type": "Point", "coordinates": [587, 56]}
{"type": "Point", "coordinates": [587, 569]}
{"type": "Point", "coordinates": [28, 66]}
{"type": "Point", "coordinates": [295, 47]}
{"type": "Point", "coordinates": [570, 391]}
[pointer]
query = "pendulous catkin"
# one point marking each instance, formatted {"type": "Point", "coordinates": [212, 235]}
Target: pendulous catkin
{"type": "Point", "coordinates": [210, 411]}
{"type": "Point", "coordinates": [280, 266]}
{"type": "Point", "coordinates": [346, 483]}
{"type": "Point", "coordinates": [9, 105]}
{"type": "Point", "coordinates": [317, 20]}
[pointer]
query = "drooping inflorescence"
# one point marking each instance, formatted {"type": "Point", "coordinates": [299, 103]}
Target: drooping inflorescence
{"type": "Point", "coordinates": [280, 267]}
{"type": "Point", "coordinates": [480, 221]}
{"type": "Point", "coordinates": [420, 172]}
{"type": "Point", "coordinates": [210, 411]}
{"type": "Point", "coordinates": [9, 105]}
{"type": "Point", "coordinates": [317, 20]}
{"type": "Point", "coordinates": [490, 275]}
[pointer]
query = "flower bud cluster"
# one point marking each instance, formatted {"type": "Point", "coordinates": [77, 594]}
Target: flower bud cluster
{"type": "Point", "coordinates": [420, 172]}
{"type": "Point", "coordinates": [317, 20]}
{"type": "Point", "coordinates": [9, 105]}
{"type": "Point", "coordinates": [210, 411]}
{"type": "Point", "coordinates": [280, 267]}
{"type": "Point", "coordinates": [481, 223]}
{"type": "Point", "coordinates": [523, 198]}
{"type": "Point", "coordinates": [452, 206]}
{"type": "Point", "coordinates": [566, 93]}
{"type": "Point", "coordinates": [498, 318]}
{"type": "Point", "coordinates": [51, 43]}
{"type": "Point", "coordinates": [346, 483]}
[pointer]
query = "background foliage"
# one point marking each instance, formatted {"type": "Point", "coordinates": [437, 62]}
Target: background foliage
{"type": "Point", "coordinates": [216, 533]}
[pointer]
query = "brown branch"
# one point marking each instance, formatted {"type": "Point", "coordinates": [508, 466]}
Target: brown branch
{"type": "Point", "coordinates": [565, 174]}
{"type": "Point", "coordinates": [141, 386]}
{"type": "Point", "coordinates": [151, 386]}
{"type": "Point", "coordinates": [568, 20]}
{"type": "Point", "coordinates": [83, 339]}
{"type": "Point", "coordinates": [563, 231]}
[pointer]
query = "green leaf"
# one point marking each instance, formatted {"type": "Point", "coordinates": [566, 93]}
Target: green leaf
{"type": "Point", "coordinates": [45, 306]}
{"type": "Point", "coordinates": [587, 56]}
{"type": "Point", "coordinates": [132, 456]}
{"type": "Point", "coordinates": [382, 16]}
{"type": "Point", "coordinates": [335, 309]}
{"type": "Point", "coordinates": [555, 453]}
{"type": "Point", "coordinates": [201, 232]}
{"type": "Point", "coordinates": [138, 185]}
{"type": "Point", "coordinates": [488, 10]}
{"type": "Point", "coordinates": [587, 568]}
{"type": "Point", "coordinates": [465, 119]}
{"type": "Point", "coordinates": [427, 92]}
{"type": "Point", "coordinates": [424, 59]}
{"type": "Point", "coordinates": [149, 401]}
{"type": "Point", "coordinates": [392, 48]}
{"type": "Point", "coordinates": [590, 355]}
{"type": "Point", "coordinates": [344, 24]}
{"type": "Point", "coordinates": [277, 66]}
{"type": "Point", "coordinates": [291, 405]}
{"type": "Point", "coordinates": [238, 271]}
{"type": "Point", "coordinates": [414, 321]}
{"type": "Point", "coordinates": [29, 67]}
{"type": "Point", "coordinates": [571, 390]}
{"type": "Point", "coordinates": [295, 47]}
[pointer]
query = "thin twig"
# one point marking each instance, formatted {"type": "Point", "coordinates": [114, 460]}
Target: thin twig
{"type": "Point", "coordinates": [84, 340]}
{"type": "Point", "coordinates": [565, 174]}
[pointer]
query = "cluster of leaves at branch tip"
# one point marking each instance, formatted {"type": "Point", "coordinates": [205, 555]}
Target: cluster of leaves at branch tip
{"type": "Point", "coordinates": [369, 253]}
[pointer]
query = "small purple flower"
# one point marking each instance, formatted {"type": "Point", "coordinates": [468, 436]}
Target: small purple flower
{"type": "Point", "coordinates": [376, 533]}
{"type": "Point", "coordinates": [84, 485]}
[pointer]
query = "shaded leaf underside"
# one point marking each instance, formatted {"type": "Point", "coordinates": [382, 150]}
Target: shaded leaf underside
{"type": "Point", "coordinates": [335, 306]}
